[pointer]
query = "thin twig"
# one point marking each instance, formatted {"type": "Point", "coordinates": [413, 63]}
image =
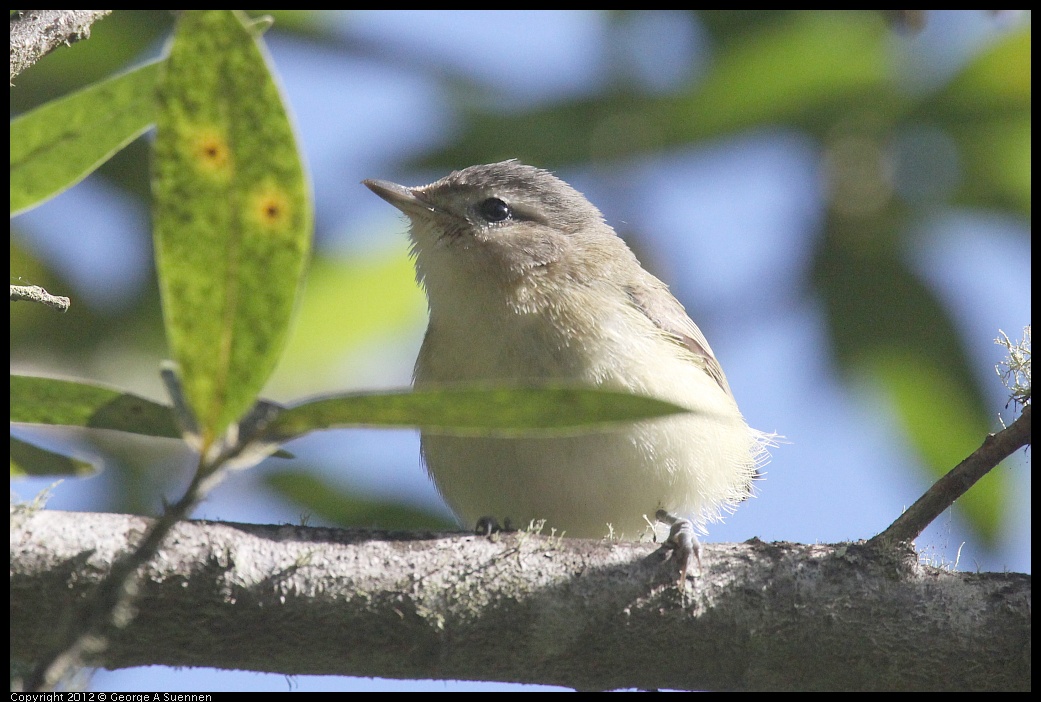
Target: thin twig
{"type": "Point", "coordinates": [34, 293]}
{"type": "Point", "coordinates": [996, 448]}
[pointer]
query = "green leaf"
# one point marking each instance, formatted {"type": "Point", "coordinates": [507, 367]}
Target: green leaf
{"type": "Point", "coordinates": [232, 214]}
{"type": "Point", "coordinates": [60, 143]}
{"type": "Point", "coordinates": [331, 503]}
{"type": "Point", "coordinates": [81, 404]}
{"type": "Point", "coordinates": [78, 404]}
{"type": "Point", "coordinates": [478, 411]}
{"type": "Point", "coordinates": [27, 460]}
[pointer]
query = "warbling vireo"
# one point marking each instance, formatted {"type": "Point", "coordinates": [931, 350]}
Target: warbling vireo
{"type": "Point", "coordinates": [526, 282]}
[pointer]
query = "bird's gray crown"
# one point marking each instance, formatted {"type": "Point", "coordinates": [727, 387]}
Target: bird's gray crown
{"type": "Point", "coordinates": [533, 190]}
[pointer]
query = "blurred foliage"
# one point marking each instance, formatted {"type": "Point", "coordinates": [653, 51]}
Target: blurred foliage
{"type": "Point", "coordinates": [831, 76]}
{"type": "Point", "coordinates": [27, 459]}
{"type": "Point", "coordinates": [322, 499]}
{"type": "Point", "coordinates": [369, 297]}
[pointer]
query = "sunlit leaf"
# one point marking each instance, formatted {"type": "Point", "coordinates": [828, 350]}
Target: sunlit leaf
{"type": "Point", "coordinates": [60, 143]}
{"type": "Point", "coordinates": [232, 214]}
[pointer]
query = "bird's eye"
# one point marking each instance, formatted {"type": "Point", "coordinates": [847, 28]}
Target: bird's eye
{"type": "Point", "coordinates": [494, 210]}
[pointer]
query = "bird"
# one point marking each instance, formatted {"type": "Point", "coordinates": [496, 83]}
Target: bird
{"type": "Point", "coordinates": [527, 283]}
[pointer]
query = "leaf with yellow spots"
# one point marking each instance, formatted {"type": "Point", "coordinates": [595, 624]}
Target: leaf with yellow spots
{"type": "Point", "coordinates": [232, 214]}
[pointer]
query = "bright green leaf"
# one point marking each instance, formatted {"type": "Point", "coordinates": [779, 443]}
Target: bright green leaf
{"type": "Point", "coordinates": [232, 214]}
{"type": "Point", "coordinates": [60, 143]}
{"type": "Point", "coordinates": [88, 405]}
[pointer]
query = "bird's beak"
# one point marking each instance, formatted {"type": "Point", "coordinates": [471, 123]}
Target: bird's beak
{"type": "Point", "coordinates": [408, 200]}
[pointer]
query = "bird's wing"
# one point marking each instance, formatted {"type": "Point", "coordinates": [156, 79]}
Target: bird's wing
{"type": "Point", "coordinates": [653, 299]}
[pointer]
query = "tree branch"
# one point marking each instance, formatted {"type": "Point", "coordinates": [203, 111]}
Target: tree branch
{"type": "Point", "coordinates": [34, 293]}
{"type": "Point", "coordinates": [995, 449]}
{"type": "Point", "coordinates": [525, 608]}
{"type": "Point", "coordinates": [35, 33]}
